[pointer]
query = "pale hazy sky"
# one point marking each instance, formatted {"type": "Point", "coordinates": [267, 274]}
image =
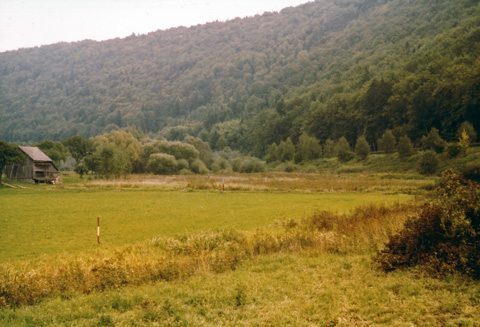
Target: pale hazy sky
{"type": "Point", "coordinates": [29, 23]}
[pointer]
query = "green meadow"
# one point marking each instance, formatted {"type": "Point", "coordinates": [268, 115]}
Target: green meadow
{"type": "Point", "coordinates": [267, 252]}
{"type": "Point", "coordinates": [43, 221]}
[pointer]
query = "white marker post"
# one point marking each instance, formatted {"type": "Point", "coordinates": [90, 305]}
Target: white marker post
{"type": "Point", "coordinates": [98, 229]}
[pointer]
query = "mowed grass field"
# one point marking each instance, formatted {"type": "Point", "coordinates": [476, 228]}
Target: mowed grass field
{"type": "Point", "coordinates": [45, 220]}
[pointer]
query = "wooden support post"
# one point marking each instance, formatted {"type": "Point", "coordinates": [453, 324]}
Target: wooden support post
{"type": "Point", "coordinates": [98, 229]}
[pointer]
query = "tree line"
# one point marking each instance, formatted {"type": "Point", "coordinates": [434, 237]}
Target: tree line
{"type": "Point", "coordinates": [125, 151]}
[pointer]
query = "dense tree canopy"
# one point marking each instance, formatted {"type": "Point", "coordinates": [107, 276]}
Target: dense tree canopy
{"type": "Point", "coordinates": [9, 153]}
{"type": "Point", "coordinates": [325, 69]}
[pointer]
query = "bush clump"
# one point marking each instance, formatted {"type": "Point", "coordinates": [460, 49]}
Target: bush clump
{"type": "Point", "coordinates": [428, 163]}
{"type": "Point", "coordinates": [162, 164]}
{"type": "Point", "coordinates": [455, 150]}
{"type": "Point", "coordinates": [472, 171]}
{"type": "Point", "coordinates": [445, 237]}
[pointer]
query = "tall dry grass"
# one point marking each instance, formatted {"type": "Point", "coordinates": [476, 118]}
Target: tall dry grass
{"type": "Point", "coordinates": [171, 258]}
{"type": "Point", "coordinates": [273, 181]}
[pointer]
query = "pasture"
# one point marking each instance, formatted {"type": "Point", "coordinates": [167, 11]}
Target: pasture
{"type": "Point", "coordinates": [45, 220]}
{"type": "Point", "coordinates": [179, 252]}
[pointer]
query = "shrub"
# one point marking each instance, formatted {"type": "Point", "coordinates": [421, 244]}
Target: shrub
{"type": "Point", "coordinates": [445, 237]}
{"type": "Point", "coordinates": [198, 167]}
{"type": "Point", "coordinates": [433, 141]}
{"type": "Point", "coordinates": [454, 150]}
{"type": "Point", "coordinates": [182, 164]}
{"type": "Point", "coordinates": [428, 163]}
{"type": "Point", "coordinates": [251, 165]}
{"type": "Point", "coordinates": [472, 171]}
{"type": "Point", "coordinates": [162, 164]}
{"type": "Point", "coordinates": [221, 165]}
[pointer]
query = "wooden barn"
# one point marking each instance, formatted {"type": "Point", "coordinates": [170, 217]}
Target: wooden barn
{"type": "Point", "coordinates": [38, 168]}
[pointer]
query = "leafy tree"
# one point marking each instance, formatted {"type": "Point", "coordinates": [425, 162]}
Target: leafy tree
{"type": "Point", "coordinates": [78, 147]}
{"type": "Point", "coordinates": [55, 150]}
{"type": "Point", "coordinates": [111, 161]}
{"type": "Point", "coordinates": [162, 164]}
{"type": "Point", "coordinates": [9, 153]}
{"type": "Point", "coordinates": [433, 141]}
{"type": "Point", "coordinates": [81, 169]}
{"type": "Point", "coordinates": [308, 148]}
{"type": "Point", "coordinates": [178, 150]}
{"type": "Point", "coordinates": [286, 150]}
{"type": "Point", "coordinates": [362, 149]}
{"type": "Point", "coordinates": [387, 142]}
{"type": "Point", "coordinates": [198, 167]}
{"type": "Point", "coordinates": [125, 143]}
{"type": "Point", "coordinates": [405, 148]}
{"type": "Point", "coordinates": [344, 152]}
{"type": "Point", "coordinates": [468, 128]}
{"type": "Point", "coordinates": [204, 151]}
{"type": "Point", "coordinates": [91, 162]}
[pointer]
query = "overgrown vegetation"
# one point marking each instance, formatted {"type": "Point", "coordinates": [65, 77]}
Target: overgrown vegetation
{"type": "Point", "coordinates": [445, 237]}
{"type": "Point", "coordinates": [310, 269]}
{"type": "Point", "coordinates": [172, 258]}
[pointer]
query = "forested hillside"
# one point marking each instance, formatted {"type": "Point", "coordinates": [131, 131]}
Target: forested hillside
{"type": "Point", "coordinates": [328, 69]}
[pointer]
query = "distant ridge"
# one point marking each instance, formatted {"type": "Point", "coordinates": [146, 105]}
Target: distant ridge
{"type": "Point", "coordinates": [329, 68]}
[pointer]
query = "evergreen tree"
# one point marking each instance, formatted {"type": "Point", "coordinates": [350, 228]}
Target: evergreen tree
{"type": "Point", "coordinates": [387, 142]}
{"type": "Point", "coordinates": [405, 148]}
{"type": "Point", "coordinates": [344, 152]}
{"type": "Point", "coordinates": [362, 149]}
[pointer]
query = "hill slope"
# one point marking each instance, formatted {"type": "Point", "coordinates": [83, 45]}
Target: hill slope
{"type": "Point", "coordinates": [329, 68]}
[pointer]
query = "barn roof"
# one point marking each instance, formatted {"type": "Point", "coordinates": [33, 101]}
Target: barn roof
{"type": "Point", "coordinates": [35, 153]}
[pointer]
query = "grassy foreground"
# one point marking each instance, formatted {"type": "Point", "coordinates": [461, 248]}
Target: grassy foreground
{"type": "Point", "coordinates": [296, 258]}
{"type": "Point", "coordinates": [277, 290]}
